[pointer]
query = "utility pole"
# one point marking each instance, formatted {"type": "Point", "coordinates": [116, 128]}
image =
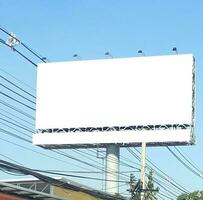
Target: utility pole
{"type": "Point", "coordinates": [142, 174]}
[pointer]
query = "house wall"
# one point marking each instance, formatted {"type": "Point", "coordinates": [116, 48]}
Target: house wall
{"type": "Point", "coordinates": [9, 197]}
{"type": "Point", "coordinates": [72, 195]}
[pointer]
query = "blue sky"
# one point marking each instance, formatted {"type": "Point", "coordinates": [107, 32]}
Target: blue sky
{"type": "Point", "coordinates": [59, 29]}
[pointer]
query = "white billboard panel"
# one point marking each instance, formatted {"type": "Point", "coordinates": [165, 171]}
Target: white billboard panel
{"type": "Point", "coordinates": [138, 91]}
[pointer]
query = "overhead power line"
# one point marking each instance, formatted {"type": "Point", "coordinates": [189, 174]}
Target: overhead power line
{"type": "Point", "coordinates": [10, 127]}
{"type": "Point", "coordinates": [31, 131]}
{"type": "Point", "coordinates": [4, 156]}
{"type": "Point", "coordinates": [27, 171]}
{"type": "Point", "coordinates": [16, 109]}
{"type": "Point", "coordinates": [184, 164]}
{"type": "Point", "coordinates": [165, 176]}
{"type": "Point", "coordinates": [188, 160]}
{"type": "Point", "coordinates": [23, 44]}
{"type": "Point", "coordinates": [13, 135]}
{"type": "Point", "coordinates": [81, 161]}
{"type": "Point", "coordinates": [17, 125]}
{"type": "Point", "coordinates": [12, 98]}
{"type": "Point", "coordinates": [17, 117]}
{"type": "Point", "coordinates": [17, 79]}
{"type": "Point", "coordinates": [178, 187]}
{"type": "Point", "coordinates": [165, 196]}
{"type": "Point", "coordinates": [76, 176]}
{"type": "Point", "coordinates": [16, 93]}
{"type": "Point", "coordinates": [165, 188]}
{"type": "Point", "coordinates": [15, 121]}
{"type": "Point", "coordinates": [42, 154]}
{"type": "Point", "coordinates": [112, 160]}
{"type": "Point", "coordinates": [18, 87]}
{"type": "Point", "coordinates": [21, 54]}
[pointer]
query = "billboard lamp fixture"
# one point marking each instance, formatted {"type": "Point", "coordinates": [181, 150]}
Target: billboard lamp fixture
{"type": "Point", "coordinates": [108, 54]}
{"type": "Point", "coordinates": [77, 56]}
{"type": "Point", "coordinates": [44, 58]}
{"type": "Point", "coordinates": [141, 52]}
{"type": "Point", "coordinates": [175, 50]}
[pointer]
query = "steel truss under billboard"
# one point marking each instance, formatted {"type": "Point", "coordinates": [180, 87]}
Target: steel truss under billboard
{"type": "Point", "coordinates": [123, 101]}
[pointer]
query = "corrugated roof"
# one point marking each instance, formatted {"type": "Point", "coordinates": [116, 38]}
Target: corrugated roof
{"type": "Point", "coordinates": [26, 193]}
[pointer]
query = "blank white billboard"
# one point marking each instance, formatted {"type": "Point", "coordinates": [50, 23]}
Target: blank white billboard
{"type": "Point", "coordinates": [138, 91]}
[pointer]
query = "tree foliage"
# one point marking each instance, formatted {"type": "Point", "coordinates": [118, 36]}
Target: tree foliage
{"type": "Point", "coordinates": [196, 195]}
{"type": "Point", "coordinates": [151, 190]}
{"type": "Point", "coordinates": [136, 188]}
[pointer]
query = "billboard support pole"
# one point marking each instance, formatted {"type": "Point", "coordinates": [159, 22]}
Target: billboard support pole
{"type": "Point", "coordinates": [112, 169]}
{"type": "Point", "coordinates": [143, 166]}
